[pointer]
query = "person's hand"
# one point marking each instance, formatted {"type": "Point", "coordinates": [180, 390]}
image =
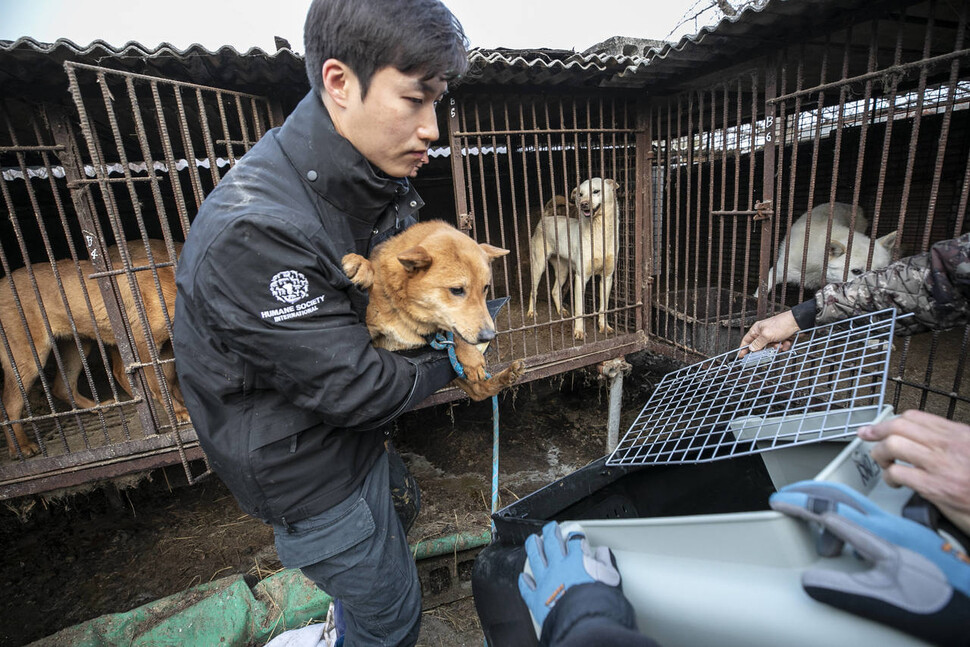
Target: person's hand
{"type": "Point", "coordinates": [558, 564]}
{"type": "Point", "coordinates": [775, 332]}
{"type": "Point", "coordinates": [930, 455]}
{"type": "Point", "coordinates": [917, 581]}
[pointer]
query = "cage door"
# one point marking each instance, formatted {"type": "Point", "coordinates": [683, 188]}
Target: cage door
{"type": "Point", "coordinates": [154, 149]}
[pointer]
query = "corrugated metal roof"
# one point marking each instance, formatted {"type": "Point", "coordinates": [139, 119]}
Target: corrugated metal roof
{"type": "Point", "coordinates": [774, 24]}
{"type": "Point", "coordinates": [27, 63]}
{"type": "Point", "coordinates": [730, 40]}
{"type": "Point", "coordinates": [547, 67]}
{"type": "Point", "coordinates": [30, 67]}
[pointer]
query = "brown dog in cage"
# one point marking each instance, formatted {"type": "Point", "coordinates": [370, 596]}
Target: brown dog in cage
{"type": "Point", "coordinates": [26, 333]}
{"type": "Point", "coordinates": [584, 246]}
{"type": "Point", "coordinates": [433, 278]}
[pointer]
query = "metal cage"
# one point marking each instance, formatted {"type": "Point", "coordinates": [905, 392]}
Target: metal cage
{"type": "Point", "coordinates": [715, 159]}
{"type": "Point", "coordinates": [99, 203]}
{"type": "Point", "coordinates": [870, 114]}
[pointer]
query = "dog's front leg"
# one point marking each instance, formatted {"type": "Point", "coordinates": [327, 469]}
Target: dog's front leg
{"type": "Point", "coordinates": [606, 285]}
{"type": "Point", "coordinates": [579, 284]}
{"type": "Point", "coordinates": [471, 360]}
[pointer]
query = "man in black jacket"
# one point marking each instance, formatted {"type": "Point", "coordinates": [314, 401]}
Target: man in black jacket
{"type": "Point", "coordinates": [287, 394]}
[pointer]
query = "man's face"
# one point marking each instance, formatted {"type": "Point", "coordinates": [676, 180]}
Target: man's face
{"type": "Point", "coordinates": [394, 125]}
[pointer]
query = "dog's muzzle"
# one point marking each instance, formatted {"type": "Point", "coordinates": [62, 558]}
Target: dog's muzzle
{"type": "Point", "coordinates": [486, 335]}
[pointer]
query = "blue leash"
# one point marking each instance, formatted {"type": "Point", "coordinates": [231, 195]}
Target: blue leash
{"type": "Point", "coordinates": [442, 341]}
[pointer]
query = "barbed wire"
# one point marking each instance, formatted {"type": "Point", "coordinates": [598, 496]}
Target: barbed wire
{"type": "Point", "coordinates": [721, 8]}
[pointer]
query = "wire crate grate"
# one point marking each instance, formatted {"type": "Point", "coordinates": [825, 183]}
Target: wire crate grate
{"type": "Point", "coordinates": [828, 384]}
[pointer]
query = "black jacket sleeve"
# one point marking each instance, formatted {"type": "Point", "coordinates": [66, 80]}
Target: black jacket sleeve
{"type": "Point", "coordinates": [593, 614]}
{"type": "Point", "coordinates": [315, 348]}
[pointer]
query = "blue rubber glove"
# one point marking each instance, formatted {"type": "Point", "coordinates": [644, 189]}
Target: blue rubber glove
{"type": "Point", "coordinates": [917, 582]}
{"type": "Point", "coordinates": [558, 564]}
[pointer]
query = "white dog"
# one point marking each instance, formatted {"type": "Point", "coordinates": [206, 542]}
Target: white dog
{"type": "Point", "coordinates": [584, 245]}
{"type": "Point", "coordinates": [838, 259]}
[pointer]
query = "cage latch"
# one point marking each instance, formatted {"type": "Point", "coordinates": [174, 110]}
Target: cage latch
{"type": "Point", "coordinates": [466, 222]}
{"type": "Point", "coordinates": [764, 210]}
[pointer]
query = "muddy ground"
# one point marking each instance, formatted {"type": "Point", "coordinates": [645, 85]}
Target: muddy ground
{"type": "Point", "coordinates": [113, 549]}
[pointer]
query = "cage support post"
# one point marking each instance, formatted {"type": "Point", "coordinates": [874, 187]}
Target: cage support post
{"type": "Point", "coordinates": [613, 371]}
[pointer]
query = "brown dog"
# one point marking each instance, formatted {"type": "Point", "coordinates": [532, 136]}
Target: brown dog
{"type": "Point", "coordinates": [91, 324]}
{"type": "Point", "coordinates": [433, 278]}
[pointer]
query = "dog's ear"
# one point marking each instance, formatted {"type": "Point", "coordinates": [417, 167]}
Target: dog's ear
{"type": "Point", "coordinates": [572, 196]}
{"type": "Point", "coordinates": [614, 184]}
{"type": "Point", "coordinates": [414, 259]}
{"type": "Point", "coordinates": [836, 249]}
{"type": "Point", "coordinates": [493, 252]}
{"type": "Point", "coordinates": [888, 241]}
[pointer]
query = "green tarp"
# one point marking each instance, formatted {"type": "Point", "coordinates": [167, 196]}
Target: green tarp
{"type": "Point", "coordinates": [225, 612]}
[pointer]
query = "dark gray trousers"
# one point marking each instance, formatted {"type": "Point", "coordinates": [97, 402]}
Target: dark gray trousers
{"type": "Point", "coordinates": [358, 553]}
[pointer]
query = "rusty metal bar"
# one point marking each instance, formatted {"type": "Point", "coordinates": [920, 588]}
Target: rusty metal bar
{"type": "Point", "coordinates": [207, 136]}
{"type": "Point", "coordinates": [688, 207]}
{"type": "Point", "coordinates": [515, 233]}
{"type": "Point", "coordinates": [108, 180]}
{"type": "Point", "coordinates": [169, 154]}
{"type": "Point", "coordinates": [644, 209]}
{"type": "Point", "coordinates": [839, 129]}
{"type": "Point", "coordinates": [780, 131]}
{"type": "Point", "coordinates": [914, 137]}
{"type": "Point", "coordinates": [543, 131]}
{"type": "Point", "coordinates": [30, 149]}
{"type": "Point", "coordinates": [944, 132]}
{"type": "Point", "coordinates": [145, 77]}
{"type": "Point", "coordinates": [887, 135]}
{"type": "Point", "coordinates": [188, 148]}
{"type": "Point", "coordinates": [958, 376]}
{"type": "Point", "coordinates": [896, 70]}
{"type": "Point", "coordinates": [864, 131]}
{"type": "Point", "coordinates": [767, 185]}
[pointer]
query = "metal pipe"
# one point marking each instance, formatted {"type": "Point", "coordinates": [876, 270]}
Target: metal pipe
{"type": "Point", "coordinates": [466, 540]}
{"type": "Point", "coordinates": [614, 370]}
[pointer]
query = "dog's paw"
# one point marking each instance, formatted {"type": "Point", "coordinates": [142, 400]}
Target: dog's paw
{"type": "Point", "coordinates": [514, 371]}
{"type": "Point", "coordinates": [28, 449]}
{"type": "Point", "coordinates": [359, 270]}
{"type": "Point", "coordinates": [606, 329]}
{"type": "Point", "coordinates": [182, 415]}
{"type": "Point", "coordinates": [531, 313]}
{"type": "Point", "coordinates": [579, 334]}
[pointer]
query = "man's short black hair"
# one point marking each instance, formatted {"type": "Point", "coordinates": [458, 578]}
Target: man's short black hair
{"type": "Point", "coordinates": [368, 35]}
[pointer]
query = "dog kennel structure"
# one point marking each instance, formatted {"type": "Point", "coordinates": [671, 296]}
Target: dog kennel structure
{"type": "Point", "coordinates": [717, 144]}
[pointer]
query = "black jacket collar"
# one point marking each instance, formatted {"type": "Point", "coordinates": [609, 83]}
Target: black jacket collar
{"type": "Point", "coordinates": [330, 165]}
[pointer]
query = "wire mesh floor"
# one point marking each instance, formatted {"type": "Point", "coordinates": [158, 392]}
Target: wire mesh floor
{"type": "Point", "coordinates": [827, 385]}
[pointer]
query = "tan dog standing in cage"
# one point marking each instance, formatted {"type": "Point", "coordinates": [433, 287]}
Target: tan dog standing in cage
{"type": "Point", "coordinates": [72, 305]}
{"type": "Point", "coordinates": [584, 246]}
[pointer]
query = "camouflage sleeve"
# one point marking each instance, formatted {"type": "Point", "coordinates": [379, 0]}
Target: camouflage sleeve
{"type": "Point", "coordinates": [934, 286]}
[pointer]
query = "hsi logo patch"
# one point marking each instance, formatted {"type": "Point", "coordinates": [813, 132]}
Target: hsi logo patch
{"type": "Point", "coordinates": [289, 286]}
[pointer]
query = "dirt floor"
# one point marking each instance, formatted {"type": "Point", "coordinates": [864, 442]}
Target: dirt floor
{"type": "Point", "coordinates": [113, 549]}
